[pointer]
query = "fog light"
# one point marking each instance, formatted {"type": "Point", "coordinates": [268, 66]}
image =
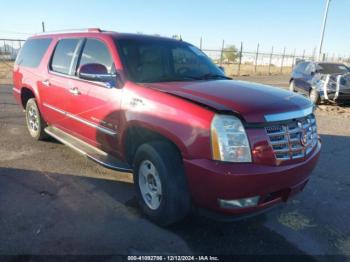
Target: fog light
{"type": "Point", "coordinates": [239, 203]}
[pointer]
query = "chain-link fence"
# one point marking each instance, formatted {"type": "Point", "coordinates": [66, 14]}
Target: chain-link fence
{"type": "Point", "coordinates": [9, 48]}
{"type": "Point", "coordinates": [238, 61]}
{"type": "Point", "coordinates": [8, 52]}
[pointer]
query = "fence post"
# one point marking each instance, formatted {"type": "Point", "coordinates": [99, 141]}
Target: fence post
{"type": "Point", "coordinates": [314, 54]}
{"type": "Point", "coordinates": [200, 43]}
{"type": "Point", "coordinates": [5, 47]}
{"type": "Point", "coordinates": [293, 63]}
{"type": "Point", "coordinates": [256, 58]}
{"type": "Point", "coordinates": [270, 62]}
{"type": "Point", "coordinates": [222, 52]}
{"type": "Point", "coordinates": [284, 53]}
{"type": "Point", "coordinates": [240, 59]}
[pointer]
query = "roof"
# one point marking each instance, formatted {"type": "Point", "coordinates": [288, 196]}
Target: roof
{"type": "Point", "coordinates": [94, 31]}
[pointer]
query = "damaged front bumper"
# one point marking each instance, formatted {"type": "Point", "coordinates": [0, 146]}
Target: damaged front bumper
{"type": "Point", "coordinates": [333, 87]}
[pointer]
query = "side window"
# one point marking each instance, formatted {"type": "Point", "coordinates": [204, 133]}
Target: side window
{"type": "Point", "coordinates": [96, 51]}
{"type": "Point", "coordinates": [64, 56]}
{"type": "Point", "coordinates": [310, 68]}
{"type": "Point", "coordinates": [32, 52]}
{"type": "Point", "coordinates": [301, 67]}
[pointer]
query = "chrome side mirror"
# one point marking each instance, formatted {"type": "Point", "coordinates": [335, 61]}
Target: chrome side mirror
{"type": "Point", "coordinates": [95, 72]}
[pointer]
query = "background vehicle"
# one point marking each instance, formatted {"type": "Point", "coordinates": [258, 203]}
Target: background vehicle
{"type": "Point", "coordinates": [321, 81]}
{"type": "Point", "coordinates": [161, 109]}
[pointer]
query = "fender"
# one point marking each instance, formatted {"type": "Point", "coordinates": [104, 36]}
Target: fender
{"type": "Point", "coordinates": [184, 123]}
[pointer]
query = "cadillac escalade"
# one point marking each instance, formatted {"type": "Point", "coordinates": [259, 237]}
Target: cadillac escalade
{"type": "Point", "coordinates": [161, 109]}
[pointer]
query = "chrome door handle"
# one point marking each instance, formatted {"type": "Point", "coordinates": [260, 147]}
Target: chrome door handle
{"type": "Point", "coordinates": [46, 82]}
{"type": "Point", "coordinates": [75, 91]}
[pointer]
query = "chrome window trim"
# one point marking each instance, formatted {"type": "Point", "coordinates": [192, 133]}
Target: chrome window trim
{"type": "Point", "coordinates": [88, 123]}
{"type": "Point", "coordinates": [289, 115]}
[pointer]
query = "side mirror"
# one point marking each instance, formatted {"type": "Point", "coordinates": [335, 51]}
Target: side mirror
{"type": "Point", "coordinates": [97, 72]}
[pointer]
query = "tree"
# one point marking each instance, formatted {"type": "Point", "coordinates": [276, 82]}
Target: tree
{"type": "Point", "coordinates": [230, 53]}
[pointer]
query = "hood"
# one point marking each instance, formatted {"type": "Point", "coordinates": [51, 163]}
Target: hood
{"type": "Point", "coordinates": [251, 100]}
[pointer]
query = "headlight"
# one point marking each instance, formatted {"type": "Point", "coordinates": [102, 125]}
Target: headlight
{"type": "Point", "coordinates": [229, 140]}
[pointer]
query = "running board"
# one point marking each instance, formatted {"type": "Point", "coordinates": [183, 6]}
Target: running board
{"type": "Point", "coordinates": [87, 150]}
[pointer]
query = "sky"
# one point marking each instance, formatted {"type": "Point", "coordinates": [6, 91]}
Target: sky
{"type": "Point", "coordinates": [294, 24]}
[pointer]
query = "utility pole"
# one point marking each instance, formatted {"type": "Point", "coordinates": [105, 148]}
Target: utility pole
{"type": "Point", "coordinates": [320, 56]}
{"type": "Point", "coordinates": [43, 25]}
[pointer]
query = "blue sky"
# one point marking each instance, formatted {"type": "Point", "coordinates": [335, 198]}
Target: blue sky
{"type": "Point", "coordinates": [281, 23]}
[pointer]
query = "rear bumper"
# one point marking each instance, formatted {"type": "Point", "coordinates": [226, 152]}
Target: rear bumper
{"type": "Point", "coordinates": [211, 180]}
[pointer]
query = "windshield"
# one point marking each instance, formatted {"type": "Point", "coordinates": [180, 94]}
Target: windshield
{"type": "Point", "coordinates": [162, 60]}
{"type": "Point", "coordinates": [332, 69]}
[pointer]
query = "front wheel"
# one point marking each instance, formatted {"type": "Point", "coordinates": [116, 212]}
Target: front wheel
{"type": "Point", "coordinates": [160, 183]}
{"type": "Point", "coordinates": [314, 96]}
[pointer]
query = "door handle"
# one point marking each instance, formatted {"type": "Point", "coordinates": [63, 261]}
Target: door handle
{"type": "Point", "coordinates": [75, 91]}
{"type": "Point", "coordinates": [46, 82]}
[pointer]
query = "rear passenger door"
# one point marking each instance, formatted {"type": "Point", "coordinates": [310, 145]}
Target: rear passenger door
{"type": "Point", "coordinates": [95, 108]}
{"type": "Point", "coordinates": [57, 84]}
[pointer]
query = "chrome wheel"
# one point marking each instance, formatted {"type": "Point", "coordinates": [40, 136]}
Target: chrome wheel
{"type": "Point", "coordinates": [33, 119]}
{"type": "Point", "coordinates": [150, 184]}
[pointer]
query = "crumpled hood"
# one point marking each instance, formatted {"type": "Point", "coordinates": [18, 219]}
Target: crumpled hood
{"type": "Point", "coordinates": [251, 100]}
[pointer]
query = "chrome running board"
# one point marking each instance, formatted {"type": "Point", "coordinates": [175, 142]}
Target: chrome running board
{"type": "Point", "coordinates": [87, 150]}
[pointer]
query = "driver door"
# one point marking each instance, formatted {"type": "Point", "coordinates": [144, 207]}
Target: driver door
{"type": "Point", "coordinates": [95, 107]}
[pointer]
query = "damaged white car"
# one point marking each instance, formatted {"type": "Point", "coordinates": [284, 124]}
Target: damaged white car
{"type": "Point", "coordinates": [321, 81]}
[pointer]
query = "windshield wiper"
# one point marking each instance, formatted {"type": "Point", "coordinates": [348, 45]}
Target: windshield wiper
{"type": "Point", "coordinates": [176, 79]}
{"type": "Point", "coordinates": [214, 76]}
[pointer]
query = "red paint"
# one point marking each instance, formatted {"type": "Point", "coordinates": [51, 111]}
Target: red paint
{"type": "Point", "coordinates": [180, 111]}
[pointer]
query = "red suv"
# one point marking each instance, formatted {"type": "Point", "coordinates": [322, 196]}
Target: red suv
{"type": "Point", "coordinates": [160, 108]}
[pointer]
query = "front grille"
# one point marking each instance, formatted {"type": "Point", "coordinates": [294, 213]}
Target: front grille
{"type": "Point", "coordinates": [293, 139]}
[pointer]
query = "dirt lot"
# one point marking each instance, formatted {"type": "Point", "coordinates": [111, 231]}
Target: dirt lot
{"type": "Point", "coordinates": [54, 201]}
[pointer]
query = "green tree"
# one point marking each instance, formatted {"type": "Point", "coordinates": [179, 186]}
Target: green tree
{"type": "Point", "coordinates": [230, 53]}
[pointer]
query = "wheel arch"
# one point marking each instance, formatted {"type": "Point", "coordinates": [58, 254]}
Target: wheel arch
{"type": "Point", "coordinates": [136, 135]}
{"type": "Point", "coordinates": [25, 95]}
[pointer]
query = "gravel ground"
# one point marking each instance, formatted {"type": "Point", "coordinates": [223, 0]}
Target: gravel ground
{"type": "Point", "coordinates": [54, 201]}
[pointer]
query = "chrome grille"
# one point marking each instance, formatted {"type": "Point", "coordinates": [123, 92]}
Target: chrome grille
{"type": "Point", "coordinates": [293, 139]}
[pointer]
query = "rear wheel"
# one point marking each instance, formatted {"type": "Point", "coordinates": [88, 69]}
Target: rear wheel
{"type": "Point", "coordinates": [314, 96]}
{"type": "Point", "coordinates": [35, 122]}
{"type": "Point", "coordinates": [160, 183]}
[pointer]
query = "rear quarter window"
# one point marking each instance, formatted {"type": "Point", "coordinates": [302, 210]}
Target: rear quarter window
{"type": "Point", "coordinates": [32, 52]}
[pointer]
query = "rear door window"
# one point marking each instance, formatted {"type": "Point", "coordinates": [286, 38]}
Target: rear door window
{"type": "Point", "coordinates": [32, 52]}
{"type": "Point", "coordinates": [96, 52]}
{"type": "Point", "coordinates": [65, 55]}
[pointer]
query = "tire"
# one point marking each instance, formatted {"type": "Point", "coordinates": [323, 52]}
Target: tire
{"type": "Point", "coordinates": [34, 120]}
{"type": "Point", "coordinates": [291, 86]}
{"type": "Point", "coordinates": [170, 201]}
{"type": "Point", "coordinates": [314, 96]}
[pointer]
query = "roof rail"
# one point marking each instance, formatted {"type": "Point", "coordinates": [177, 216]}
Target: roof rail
{"type": "Point", "coordinates": [81, 30]}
